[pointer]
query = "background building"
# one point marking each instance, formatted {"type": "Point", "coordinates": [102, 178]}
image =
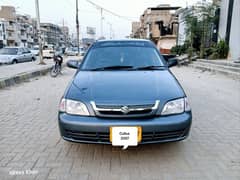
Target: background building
{"type": "Point", "coordinates": [229, 26]}
{"type": "Point", "coordinates": [52, 34]}
{"type": "Point", "coordinates": [21, 30]}
{"type": "Point", "coordinates": [65, 35]}
{"type": "Point", "coordinates": [3, 33]}
{"type": "Point", "coordinates": [26, 31]}
{"type": "Point", "coordinates": [8, 18]}
{"type": "Point", "coordinates": [158, 24]}
{"type": "Point", "coordinates": [135, 30]}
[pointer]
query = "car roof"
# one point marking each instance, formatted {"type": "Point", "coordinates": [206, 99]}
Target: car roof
{"type": "Point", "coordinates": [124, 42]}
{"type": "Point", "coordinates": [12, 47]}
{"type": "Point", "coordinates": [113, 40]}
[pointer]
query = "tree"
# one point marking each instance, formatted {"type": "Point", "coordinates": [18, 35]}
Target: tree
{"type": "Point", "coordinates": [199, 24]}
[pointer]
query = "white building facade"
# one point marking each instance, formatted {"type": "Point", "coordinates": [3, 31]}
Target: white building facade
{"type": "Point", "coordinates": [3, 35]}
{"type": "Point", "coordinates": [233, 32]}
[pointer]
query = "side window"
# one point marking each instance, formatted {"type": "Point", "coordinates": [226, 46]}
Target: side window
{"type": "Point", "coordinates": [23, 50]}
{"type": "Point", "coordinates": [26, 50]}
{"type": "Point", "coordinates": [20, 51]}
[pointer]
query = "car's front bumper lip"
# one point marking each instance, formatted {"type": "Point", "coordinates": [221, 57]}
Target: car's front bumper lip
{"type": "Point", "coordinates": [96, 130]}
{"type": "Point", "coordinates": [5, 62]}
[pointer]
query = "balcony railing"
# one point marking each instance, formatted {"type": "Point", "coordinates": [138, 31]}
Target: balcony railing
{"type": "Point", "coordinates": [23, 37]}
{"type": "Point", "coordinates": [30, 40]}
{"type": "Point", "coordinates": [11, 37]}
{"type": "Point", "coordinates": [10, 28]}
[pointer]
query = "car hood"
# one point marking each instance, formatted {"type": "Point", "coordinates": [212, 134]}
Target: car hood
{"type": "Point", "coordinates": [125, 87]}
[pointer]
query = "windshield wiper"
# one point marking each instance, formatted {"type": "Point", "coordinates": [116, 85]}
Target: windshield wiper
{"type": "Point", "coordinates": [149, 67]}
{"type": "Point", "coordinates": [112, 68]}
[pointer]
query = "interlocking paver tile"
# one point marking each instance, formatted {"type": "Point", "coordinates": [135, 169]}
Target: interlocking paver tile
{"type": "Point", "coordinates": [29, 137]}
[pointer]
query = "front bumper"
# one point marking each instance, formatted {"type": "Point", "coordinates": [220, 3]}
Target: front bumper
{"type": "Point", "coordinates": [5, 62]}
{"type": "Point", "coordinates": [96, 130]}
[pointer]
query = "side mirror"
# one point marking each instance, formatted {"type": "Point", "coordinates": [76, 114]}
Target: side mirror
{"type": "Point", "coordinates": [172, 62]}
{"type": "Point", "coordinates": [168, 56]}
{"type": "Point", "coordinates": [73, 64]}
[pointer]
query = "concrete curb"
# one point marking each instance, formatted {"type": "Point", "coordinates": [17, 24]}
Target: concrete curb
{"type": "Point", "coordinates": [26, 76]}
{"type": "Point", "coordinates": [232, 74]}
{"type": "Point", "coordinates": [23, 77]}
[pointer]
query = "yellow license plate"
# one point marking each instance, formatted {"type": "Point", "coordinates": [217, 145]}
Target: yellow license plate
{"type": "Point", "coordinates": [126, 130]}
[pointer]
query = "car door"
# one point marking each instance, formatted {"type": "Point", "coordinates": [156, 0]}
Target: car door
{"type": "Point", "coordinates": [28, 54]}
{"type": "Point", "coordinates": [20, 55]}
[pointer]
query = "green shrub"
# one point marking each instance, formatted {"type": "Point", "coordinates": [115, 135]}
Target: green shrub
{"type": "Point", "coordinates": [222, 49]}
{"type": "Point", "coordinates": [213, 56]}
{"type": "Point", "coordinates": [179, 49]}
{"type": "Point", "coordinates": [219, 51]}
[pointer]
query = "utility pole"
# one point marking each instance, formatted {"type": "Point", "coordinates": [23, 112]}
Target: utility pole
{"type": "Point", "coordinates": [65, 35]}
{"type": "Point", "coordinates": [77, 25]}
{"type": "Point", "coordinates": [101, 12]}
{"type": "Point", "coordinates": [101, 22]}
{"type": "Point", "coordinates": [39, 33]}
{"type": "Point", "coordinates": [110, 30]}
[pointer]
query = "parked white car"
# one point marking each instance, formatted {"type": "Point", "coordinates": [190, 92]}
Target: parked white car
{"type": "Point", "coordinates": [13, 55]}
{"type": "Point", "coordinates": [35, 50]}
{"type": "Point", "coordinates": [71, 51]}
{"type": "Point", "coordinates": [48, 51]}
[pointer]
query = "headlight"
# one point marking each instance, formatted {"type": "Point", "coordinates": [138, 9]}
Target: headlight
{"type": "Point", "coordinates": [176, 107]}
{"type": "Point", "coordinates": [73, 107]}
{"type": "Point", "coordinates": [187, 105]}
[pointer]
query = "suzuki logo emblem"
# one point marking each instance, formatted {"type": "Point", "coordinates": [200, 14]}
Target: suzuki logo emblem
{"type": "Point", "coordinates": [125, 109]}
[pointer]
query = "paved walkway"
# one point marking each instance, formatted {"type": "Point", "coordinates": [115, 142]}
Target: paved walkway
{"type": "Point", "coordinates": [15, 74]}
{"type": "Point", "coordinates": [7, 71]}
{"type": "Point", "coordinates": [16, 69]}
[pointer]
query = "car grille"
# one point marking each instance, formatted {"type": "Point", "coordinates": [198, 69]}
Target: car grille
{"type": "Point", "coordinates": [88, 136]}
{"type": "Point", "coordinates": [147, 137]}
{"type": "Point", "coordinates": [161, 136]}
{"type": "Point", "coordinates": [123, 111]}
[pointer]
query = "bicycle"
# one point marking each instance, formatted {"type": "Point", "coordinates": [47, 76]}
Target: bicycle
{"type": "Point", "coordinates": [56, 69]}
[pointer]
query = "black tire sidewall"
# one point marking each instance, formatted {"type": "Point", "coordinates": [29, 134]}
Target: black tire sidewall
{"type": "Point", "coordinates": [14, 61]}
{"type": "Point", "coordinates": [53, 73]}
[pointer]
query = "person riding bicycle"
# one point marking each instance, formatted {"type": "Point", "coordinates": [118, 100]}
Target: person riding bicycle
{"type": "Point", "coordinates": [58, 60]}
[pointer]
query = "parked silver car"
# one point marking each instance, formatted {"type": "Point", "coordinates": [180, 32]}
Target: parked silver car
{"type": "Point", "coordinates": [13, 55]}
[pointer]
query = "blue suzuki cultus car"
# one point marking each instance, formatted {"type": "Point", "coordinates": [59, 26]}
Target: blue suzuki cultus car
{"type": "Point", "coordinates": [124, 94]}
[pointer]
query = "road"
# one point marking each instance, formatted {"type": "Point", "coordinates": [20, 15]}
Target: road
{"type": "Point", "coordinates": [31, 147]}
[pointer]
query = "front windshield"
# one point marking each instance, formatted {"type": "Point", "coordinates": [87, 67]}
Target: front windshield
{"type": "Point", "coordinates": [133, 56]}
{"type": "Point", "coordinates": [9, 51]}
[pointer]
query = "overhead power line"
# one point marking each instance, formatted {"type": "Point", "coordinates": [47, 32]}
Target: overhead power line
{"type": "Point", "coordinates": [110, 12]}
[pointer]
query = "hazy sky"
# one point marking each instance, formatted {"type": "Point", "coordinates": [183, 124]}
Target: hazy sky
{"type": "Point", "coordinates": [57, 11]}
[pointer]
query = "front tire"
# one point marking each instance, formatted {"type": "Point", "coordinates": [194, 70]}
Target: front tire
{"type": "Point", "coordinates": [14, 61]}
{"type": "Point", "coordinates": [54, 71]}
